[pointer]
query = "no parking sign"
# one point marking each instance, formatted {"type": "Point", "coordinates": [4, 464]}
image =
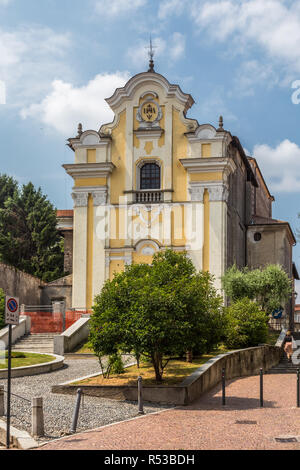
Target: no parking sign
{"type": "Point", "coordinates": [12, 310]}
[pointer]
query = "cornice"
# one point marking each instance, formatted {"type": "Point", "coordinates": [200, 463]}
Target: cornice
{"type": "Point", "coordinates": [211, 164]}
{"type": "Point", "coordinates": [172, 91]}
{"type": "Point", "coordinates": [89, 170]}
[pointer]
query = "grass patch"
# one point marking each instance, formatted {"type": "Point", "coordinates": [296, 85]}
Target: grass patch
{"type": "Point", "coordinates": [20, 359]}
{"type": "Point", "coordinates": [175, 372]}
{"type": "Point", "coordinates": [84, 349]}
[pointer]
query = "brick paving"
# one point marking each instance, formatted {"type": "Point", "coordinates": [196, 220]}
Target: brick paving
{"type": "Point", "coordinates": [206, 424]}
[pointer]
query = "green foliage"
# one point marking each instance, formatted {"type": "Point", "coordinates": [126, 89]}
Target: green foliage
{"type": "Point", "coordinates": [245, 325]}
{"type": "Point", "coordinates": [115, 364]}
{"type": "Point", "coordinates": [29, 239]}
{"type": "Point", "coordinates": [269, 287]}
{"type": "Point", "coordinates": [157, 310]}
{"type": "Point", "coordinates": [8, 186]}
{"type": "Point", "coordinates": [2, 309]}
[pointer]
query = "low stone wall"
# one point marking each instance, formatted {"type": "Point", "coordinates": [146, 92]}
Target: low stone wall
{"type": "Point", "coordinates": [237, 364]}
{"type": "Point", "coordinates": [36, 369]}
{"type": "Point", "coordinates": [22, 329]}
{"type": "Point", "coordinates": [73, 336]}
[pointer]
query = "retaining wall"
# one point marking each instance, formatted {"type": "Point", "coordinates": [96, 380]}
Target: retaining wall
{"type": "Point", "coordinates": [240, 363]}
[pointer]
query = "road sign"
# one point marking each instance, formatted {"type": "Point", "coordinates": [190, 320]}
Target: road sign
{"type": "Point", "coordinates": [12, 310]}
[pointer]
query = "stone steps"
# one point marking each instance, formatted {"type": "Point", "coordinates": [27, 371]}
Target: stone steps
{"type": "Point", "coordinates": [38, 342]}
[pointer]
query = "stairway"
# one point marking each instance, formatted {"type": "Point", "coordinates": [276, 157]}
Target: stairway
{"type": "Point", "coordinates": [284, 366]}
{"type": "Point", "coordinates": [38, 342]}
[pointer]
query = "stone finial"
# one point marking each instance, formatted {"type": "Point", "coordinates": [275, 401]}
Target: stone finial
{"type": "Point", "coordinates": [221, 124]}
{"type": "Point", "coordinates": [79, 129]}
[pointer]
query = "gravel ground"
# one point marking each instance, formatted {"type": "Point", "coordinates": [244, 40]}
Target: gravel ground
{"type": "Point", "coordinates": [206, 424]}
{"type": "Point", "coordinates": [58, 409]}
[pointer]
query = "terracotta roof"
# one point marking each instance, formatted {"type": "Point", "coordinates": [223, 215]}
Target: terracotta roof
{"type": "Point", "coordinates": [64, 213]}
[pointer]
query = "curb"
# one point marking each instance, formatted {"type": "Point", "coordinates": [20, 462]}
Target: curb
{"type": "Point", "coordinates": [19, 439]}
{"type": "Point", "coordinates": [35, 369]}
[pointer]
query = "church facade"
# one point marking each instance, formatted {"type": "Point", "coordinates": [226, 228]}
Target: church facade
{"type": "Point", "coordinates": [155, 179]}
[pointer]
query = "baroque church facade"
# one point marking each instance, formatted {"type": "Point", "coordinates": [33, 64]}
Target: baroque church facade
{"type": "Point", "coordinates": [155, 179]}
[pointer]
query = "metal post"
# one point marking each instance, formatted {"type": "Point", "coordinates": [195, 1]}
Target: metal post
{"type": "Point", "coordinates": [76, 411]}
{"type": "Point", "coordinates": [298, 389]}
{"type": "Point", "coordinates": [140, 396]}
{"type": "Point", "coordinates": [37, 417]}
{"type": "Point", "coordinates": [8, 387]}
{"type": "Point", "coordinates": [63, 311]}
{"type": "Point", "coordinates": [223, 387]}
{"type": "Point", "coordinates": [1, 400]}
{"type": "Point", "coordinates": [261, 389]}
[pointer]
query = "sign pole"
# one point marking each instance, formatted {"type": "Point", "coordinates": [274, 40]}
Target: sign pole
{"type": "Point", "coordinates": [8, 388]}
{"type": "Point", "coordinates": [12, 312]}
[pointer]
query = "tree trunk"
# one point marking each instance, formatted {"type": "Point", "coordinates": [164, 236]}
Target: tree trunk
{"type": "Point", "coordinates": [156, 361]}
{"type": "Point", "coordinates": [189, 356]}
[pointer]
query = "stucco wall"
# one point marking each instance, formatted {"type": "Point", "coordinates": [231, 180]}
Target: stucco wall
{"type": "Point", "coordinates": [20, 284]}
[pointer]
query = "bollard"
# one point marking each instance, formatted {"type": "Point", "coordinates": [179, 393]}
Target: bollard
{"type": "Point", "coordinates": [261, 389]}
{"type": "Point", "coordinates": [140, 396]}
{"type": "Point", "coordinates": [298, 389]}
{"type": "Point", "coordinates": [37, 417]}
{"type": "Point", "coordinates": [76, 411]}
{"type": "Point", "coordinates": [2, 400]}
{"type": "Point", "coordinates": [223, 387]}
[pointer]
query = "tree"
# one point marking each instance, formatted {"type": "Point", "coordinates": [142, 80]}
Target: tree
{"type": "Point", "coordinates": [158, 311]}
{"type": "Point", "coordinates": [29, 239]}
{"type": "Point", "coordinates": [246, 324]}
{"type": "Point", "coordinates": [269, 287]}
{"type": "Point", "coordinates": [8, 186]}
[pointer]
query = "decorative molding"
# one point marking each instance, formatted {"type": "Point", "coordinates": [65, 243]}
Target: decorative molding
{"type": "Point", "coordinates": [80, 198]}
{"type": "Point", "coordinates": [99, 196]}
{"type": "Point", "coordinates": [218, 193]}
{"type": "Point", "coordinates": [89, 170]}
{"type": "Point", "coordinates": [171, 91]}
{"type": "Point", "coordinates": [210, 164]}
{"type": "Point", "coordinates": [197, 192]}
{"type": "Point", "coordinates": [149, 133]}
{"type": "Point", "coordinates": [149, 124]}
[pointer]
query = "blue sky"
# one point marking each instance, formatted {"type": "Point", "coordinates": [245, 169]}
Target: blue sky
{"type": "Point", "coordinates": [60, 59]}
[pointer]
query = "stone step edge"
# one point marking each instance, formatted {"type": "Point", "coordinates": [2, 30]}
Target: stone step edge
{"type": "Point", "coordinates": [19, 439]}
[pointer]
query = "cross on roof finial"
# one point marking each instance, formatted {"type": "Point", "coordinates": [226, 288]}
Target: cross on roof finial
{"type": "Point", "coordinates": [151, 55]}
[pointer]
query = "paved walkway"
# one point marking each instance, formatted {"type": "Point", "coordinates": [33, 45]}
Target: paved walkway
{"type": "Point", "coordinates": [241, 424]}
{"type": "Point", "coordinates": [58, 409]}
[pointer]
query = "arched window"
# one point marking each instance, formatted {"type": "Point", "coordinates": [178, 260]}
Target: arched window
{"type": "Point", "coordinates": [150, 176]}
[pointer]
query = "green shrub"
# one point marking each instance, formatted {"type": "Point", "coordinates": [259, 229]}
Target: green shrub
{"type": "Point", "coordinates": [2, 309]}
{"type": "Point", "coordinates": [245, 324]}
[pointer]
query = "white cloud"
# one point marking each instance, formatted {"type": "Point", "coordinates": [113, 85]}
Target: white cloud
{"type": "Point", "coordinates": [65, 106]}
{"type": "Point", "coordinates": [280, 165]}
{"type": "Point", "coordinates": [177, 48]}
{"type": "Point", "coordinates": [272, 24]}
{"type": "Point", "coordinates": [171, 49]}
{"type": "Point", "coordinates": [139, 56]}
{"type": "Point", "coordinates": [113, 8]}
{"type": "Point", "coordinates": [252, 74]}
{"type": "Point", "coordinates": [30, 59]}
{"type": "Point", "coordinates": [170, 7]}
{"type": "Point", "coordinates": [4, 2]}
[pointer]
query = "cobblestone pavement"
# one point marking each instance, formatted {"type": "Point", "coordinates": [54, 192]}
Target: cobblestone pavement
{"type": "Point", "coordinates": [58, 409]}
{"type": "Point", "coordinates": [207, 425]}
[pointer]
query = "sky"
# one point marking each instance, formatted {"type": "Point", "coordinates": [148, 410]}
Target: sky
{"type": "Point", "coordinates": [59, 60]}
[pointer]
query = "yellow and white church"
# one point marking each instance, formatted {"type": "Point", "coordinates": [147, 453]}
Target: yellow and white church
{"type": "Point", "coordinates": [156, 179]}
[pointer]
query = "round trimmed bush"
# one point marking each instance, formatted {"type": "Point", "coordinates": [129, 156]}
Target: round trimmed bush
{"type": "Point", "coordinates": [246, 325]}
